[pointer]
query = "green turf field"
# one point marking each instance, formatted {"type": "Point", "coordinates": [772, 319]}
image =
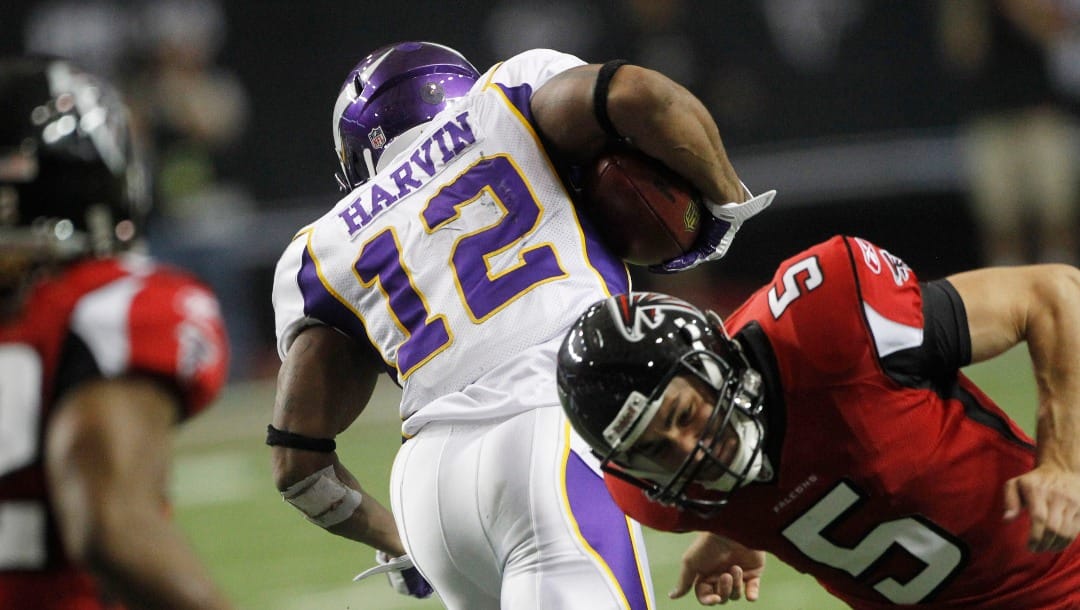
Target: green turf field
{"type": "Point", "coordinates": [267, 557]}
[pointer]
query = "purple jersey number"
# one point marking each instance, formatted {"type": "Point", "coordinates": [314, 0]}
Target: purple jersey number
{"type": "Point", "coordinates": [380, 261]}
{"type": "Point", "coordinates": [484, 293]}
{"type": "Point", "coordinates": [499, 179]}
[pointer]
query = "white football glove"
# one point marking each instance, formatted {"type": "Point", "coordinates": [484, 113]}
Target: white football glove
{"type": "Point", "coordinates": [402, 574]}
{"type": "Point", "coordinates": [717, 233]}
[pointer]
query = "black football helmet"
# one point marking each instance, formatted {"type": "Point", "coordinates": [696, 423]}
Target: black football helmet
{"type": "Point", "coordinates": [613, 369]}
{"type": "Point", "coordinates": [72, 181]}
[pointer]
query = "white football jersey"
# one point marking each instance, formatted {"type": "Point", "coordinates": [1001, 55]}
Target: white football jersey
{"type": "Point", "coordinates": [463, 260]}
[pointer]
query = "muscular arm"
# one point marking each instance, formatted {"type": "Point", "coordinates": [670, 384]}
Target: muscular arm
{"type": "Point", "coordinates": [107, 457]}
{"type": "Point", "coordinates": [1039, 305]}
{"type": "Point", "coordinates": [324, 384]}
{"type": "Point", "coordinates": [660, 117]}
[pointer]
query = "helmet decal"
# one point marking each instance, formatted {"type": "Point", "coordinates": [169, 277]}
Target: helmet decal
{"type": "Point", "coordinates": [373, 62]}
{"type": "Point", "coordinates": [377, 137]}
{"type": "Point", "coordinates": [642, 312]}
{"type": "Point", "coordinates": [631, 421]}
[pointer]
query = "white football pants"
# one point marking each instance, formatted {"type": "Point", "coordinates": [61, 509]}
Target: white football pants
{"type": "Point", "coordinates": [509, 515]}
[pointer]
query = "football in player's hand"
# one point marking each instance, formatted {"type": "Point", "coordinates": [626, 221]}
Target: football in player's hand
{"type": "Point", "coordinates": [645, 212]}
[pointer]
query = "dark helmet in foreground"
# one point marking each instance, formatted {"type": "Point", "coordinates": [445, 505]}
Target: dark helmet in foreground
{"type": "Point", "coordinates": [71, 181]}
{"type": "Point", "coordinates": [391, 91]}
{"type": "Point", "coordinates": [613, 369]}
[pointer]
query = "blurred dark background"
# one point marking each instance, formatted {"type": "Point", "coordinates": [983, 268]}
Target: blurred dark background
{"type": "Point", "coordinates": [943, 130]}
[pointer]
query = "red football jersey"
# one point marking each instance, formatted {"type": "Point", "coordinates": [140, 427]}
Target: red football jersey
{"type": "Point", "coordinates": [891, 468]}
{"type": "Point", "coordinates": [99, 318]}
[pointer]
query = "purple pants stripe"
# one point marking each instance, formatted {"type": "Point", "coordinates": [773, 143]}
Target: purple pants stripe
{"type": "Point", "coordinates": [604, 527]}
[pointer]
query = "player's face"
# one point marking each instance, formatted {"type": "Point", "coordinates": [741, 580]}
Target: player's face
{"type": "Point", "coordinates": [681, 422]}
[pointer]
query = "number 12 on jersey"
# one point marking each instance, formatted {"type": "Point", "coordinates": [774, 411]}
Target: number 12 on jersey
{"type": "Point", "coordinates": [482, 292]}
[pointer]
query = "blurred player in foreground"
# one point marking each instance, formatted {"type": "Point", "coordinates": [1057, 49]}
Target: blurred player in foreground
{"type": "Point", "coordinates": [835, 430]}
{"type": "Point", "coordinates": [457, 262]}
{"type": "Point", "coordinates": [101, 353]}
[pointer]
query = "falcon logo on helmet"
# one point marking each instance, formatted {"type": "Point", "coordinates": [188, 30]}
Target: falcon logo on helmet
{"type": "Point", "coordinates": [642, 312]}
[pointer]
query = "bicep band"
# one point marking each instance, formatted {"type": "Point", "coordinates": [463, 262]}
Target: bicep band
{"type": "Point", "coordinates": [282, 438]}
{"type": "Point", "coordinates": [600, 96]}
{"type": "Point", "coordinates": [323, 498]}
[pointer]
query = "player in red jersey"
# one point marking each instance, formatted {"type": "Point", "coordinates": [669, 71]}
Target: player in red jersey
{"type": "Point", "coordinates": [101, 353]}
{"type": "Point", "coordinates": [836, 431]}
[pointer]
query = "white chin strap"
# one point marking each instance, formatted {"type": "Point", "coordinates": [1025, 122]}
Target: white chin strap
{"type": "Point", "coordinates": [749, 434]}
{"type": "Point", "coordinates": [369, 163]}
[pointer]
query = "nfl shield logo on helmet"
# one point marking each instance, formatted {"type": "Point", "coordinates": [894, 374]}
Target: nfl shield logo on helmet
{"type": "Point", "coordinates": [377, 137]}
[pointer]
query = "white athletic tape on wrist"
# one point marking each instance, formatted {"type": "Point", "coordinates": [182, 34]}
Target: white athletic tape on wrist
{"type": "Point", "coordinates": [323, 498]}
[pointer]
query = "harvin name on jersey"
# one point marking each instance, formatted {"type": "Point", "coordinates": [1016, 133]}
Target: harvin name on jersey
{"type": "Point", "coordinates": [438, 149]}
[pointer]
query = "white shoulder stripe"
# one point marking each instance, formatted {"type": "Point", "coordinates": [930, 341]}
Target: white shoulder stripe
{"type": "Point", "coordinates": [101, 320]}
{"type": "Point", "coordinates": [889, 336]}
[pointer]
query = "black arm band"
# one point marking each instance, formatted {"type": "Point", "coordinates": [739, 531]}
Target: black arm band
{"type": "Point", "coordinates": [600, 94]}
{"type": "Point", "coordinates": [298, 441]}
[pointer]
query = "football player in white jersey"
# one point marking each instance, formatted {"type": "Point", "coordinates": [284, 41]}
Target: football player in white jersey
{"type": "Point", "coordinates": [456, 262]}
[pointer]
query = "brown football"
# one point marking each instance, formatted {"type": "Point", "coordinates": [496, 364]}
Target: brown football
{"type": "Point", "coordinates": [646, 213]}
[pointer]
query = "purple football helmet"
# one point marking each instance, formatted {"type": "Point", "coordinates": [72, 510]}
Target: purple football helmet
{"type": "Point", "coordinates": [390, 91]}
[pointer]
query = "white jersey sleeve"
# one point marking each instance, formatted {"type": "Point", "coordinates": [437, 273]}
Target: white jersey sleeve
{"type": "Point", "coordinates": [290, 316]}
{"type": "Point", "coordinates": [533, 68]}
{"type": "Point", "coordinates": [463, 261]}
